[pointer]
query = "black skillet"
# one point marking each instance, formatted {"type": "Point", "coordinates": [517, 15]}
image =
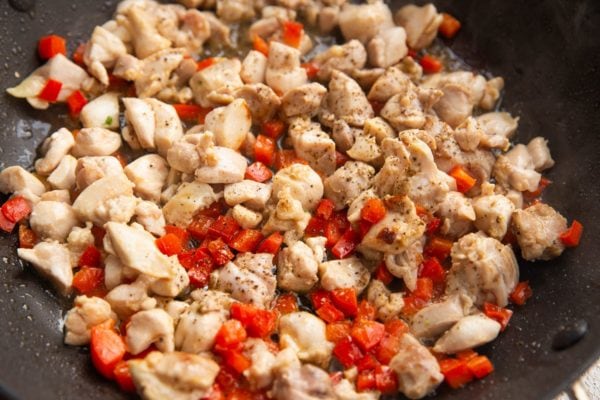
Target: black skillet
{"type": "Point", "coordinates": [549, 54]}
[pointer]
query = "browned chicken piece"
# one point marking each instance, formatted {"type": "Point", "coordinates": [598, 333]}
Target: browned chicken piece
{"type": "Point", "coordinates": [364, 21]}
{"type": "Point", "coordinates": [421, 24]}
{"type": "Point", "coordinates": [538, 229]}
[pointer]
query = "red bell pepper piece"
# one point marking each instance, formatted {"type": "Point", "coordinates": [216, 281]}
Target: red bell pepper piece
{"type": "Point", "coordinates": [347, 244]}
{"type": "Point", "coordinates": [285, 158]}
{"type": "Point", "coordinates": [224, 227]}
{"type": "Point", "coordinates": [75, 102]}
{"type": "Point", "coordinates": [337, 331]}
{"type": "Point", "coordinates": [480, 366]}
{"type": "Point", "coordinates": [319, 297]}
{"type": "Point", "coordinates": [501, 315]}
{"type": "Point", "coordinates": [246, 240]}
{"type": "Point", "coordinates": [373, 211]}
{"type": "Point", "coordinates": [203, 64]}
{"type": "Point", "coordinates": [386, 380]}
{"type": "Point", "coordinates": [367, 334]}
{"type": "Point", "coordinates": [387, 348]}
{"type": "Point", "coordinates": [329, 313]}
{"type": "Point", "coordinates": [236, 361]}
{"type": "Point", "coordinates": [430, 64]}
{"type": "Point", "coordinates": [324, 209]}
{"type": "Point", "coordinates": [366, 311]}
{"type": "Point", "coordinates": [219, 252]}
{"type": "Point", "coordinates": [89, 281]}
{"type": "Point", "coordinates": [198, 228]}
{"type": "Point", "coordinates": [264, 149]}
{"type": "Point", "coordinates": [438, 247]}
{"type": "Point", "coordinates": [432, 269]}
{"type": "Point", "coordinates": [456, 373]}
{"type": "Point", "coordinates": [27, 237]}
{"type": "Point", "coordinates": [312, 69]}
{"type": "Point", "coordinates": [347, 352]}
{"type": "Point", "coordinates": [258, 322]}
{"type": "Point", "coordinates": [51, 45]}
{"type": "Point", "coordinates": [365, 380]}
{"type": "Point", "coordinates": [340, 159]}
{"type": "Point", "coordinates": [292, 33]}
{"type": "Point", "coordinates": [286, 303]}
{"type": "Point", "coordinates": [15, 209]}
{"type": "Point", "coordinates": [259, 44]}
{"type": "Point", "coordinates": [169, 244]}
{"type": "Point", "coordinates": [449, 26]}
{"type": "Point", "coordinates": [383, 274]}
{"type": "Point", "coordinates": [123, 377]}
{"type": "Point", "coordinates": [572, 236]}
{"type": "Point", "coordinates": [521, 293]}
{"type": "Point", "coordinates": [50, 92]}
{"type": "Point", "coordinates": [424, 289]}
{"type": "Point", "coordinates": [230, 335]}
{"type": "Point", "coordinates": [271, 244]}
{"type": "Point", "coordinates": [78, 55]}
{"type": "Point", "coordinates": [464, 181]}
{"type": "Point", "coordinates": [181, 233]}
{"type": "Point", "coordinates": [91, 257]}
{"type": "Point", "coordinates": [273, 128]}
{"type": "Point", "coordinates": [258, 172]}
{"type": "Point", "coordinates": [345, 300]}
{"type": "Point", "coordinates": [107, 349]}
{"type": "Point", "coordinates": [199, 266]}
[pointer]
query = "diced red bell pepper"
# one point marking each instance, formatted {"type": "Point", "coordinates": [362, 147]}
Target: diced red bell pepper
{"type": "Point", "coordinates": [16, 208]}
{"type": "Point", "coordinates": [236, 361]}
{"type": "Point", "coordinates": [292, 33]}
{"type": "Point", "coordinates": [438, 247]}
{"type": "Point", "coordinates": [387, 348]}
{"type": "Point", "coordinates": [286, 303]}
{"type": "Point", "coordinates": [271, 244]}
{"type": "Point", "coordinates": [75, 102]}
{"type": "Point", "coordinates": [264, 149]}
{"type": "Point", "coordinates": [424, 289]}
{"type": "Point", "coordinates": [198, 228]}
{"type": "Point", "coordinates": [347, 352]}
{"type": "Point", "coordinates": [312, 69]}
{"type": "Point", "coordinates": [78, 55]}
{"type": "Point", "coordinates": [258, 322]}
{"type": "Point", "coordinates": [329, 313]}
{"type": "Point", "coordinates": [89, 281]}
{"type": "Point", "coordinates": [456, 373]}
{"type": "Point", "coordinates": [325, 209]}
{"type": "Point", "coordinates": [433, 226]}
{"type": "Point", "coordinates": [480, 366]}
{"type": "Point", "coordinates": [230, 335]}
{"type": "Point", "coordinates": [466, 355]}
{"type": "Point", "coordinates": [501, 315]}
{"type": "Point", "coordinates": [464, 181]}
{"type": "Point", "coordinates": [316, 227]}
{"type": "Point", "coordinates": [91, 257]}
{"type": "Point", "coordinates": [273, 128]}
{"type": "Point", "coordinates": [367, 334]}
{"type": "Point", "coordinates": [187, 111]}
{"type": "Point", "coordinates": [225, 227]}
{"type": "Point", "coordinates": [449, 26]}
{"type": "Point", "coordinates": [259, 44]}
{"type": "Point", "coordinates": [107, 349]}
{"type": "Point", "coordinates": [340, 159]}
{"type": "Point", "coordinates": [220, 252]}
{"type": "Point", "coordinates": [319, 297]}
{"type": "Point", "coordinates": [181, 233]}
{"type": "Point", "coordinates": [285, 158]}
{"type": "Point", "coordinates": [365, 380]}
{"type": "Point", "coordinates": [214, 393]}
{"type": "Point", "coordinates": [366, 311]}
{"type": "Point", "coordinates": [430, 64]}
{"type": "Point", "coordinates": [521, 293]}
{"type": "Point", "coordinates": [203, 64]}
{"type": "Point", "coordinates": [386, 380]}
{"type": "Point", "coordinates": [544, 183]}
{"type": "Point", "coordinates": [383, 274]}
{"type": "Point", "coordinates": [123, 377]}
{"type": "Point", "coordinates": [345, 300]}
{"type": "Point", "coordinates": [347, 244]}
{"type": "Point", "coordinates": [199, 268]}
{"type": "Point", "coordinates": [51, 45]}
{"type": "Point", "coordinates": [337, 331]}
{"type": "Point", "coordinates": [333, 232]}
{"type": "Point", "coordinates": [169, 244]}
{"type": "Point", "coordinates": [368, 362]}
{"type": "Point", "coordinates": [572, 236]}
{"type": "Point", "coordinates": [246, 240]}
{"type": "Point", "coordinates": [373, 211]}
{"type": "Point", "coordinates": [258, 172]}
{"type": "Point", "coordinates": [27, 237]}
{"type": "Point", "coordinates": [396, 327]}
{"type": "Point", "coordinates": [5, 224]}
{"type": "Point", "coordinates": [412, 304]}
{"type": "Point", "coordinates": [432, 269]}
{"type": "Point", "coordinates": [50, 91]}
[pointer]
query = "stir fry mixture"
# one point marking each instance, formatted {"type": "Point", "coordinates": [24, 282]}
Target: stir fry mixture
{"type": "Point", "coordinates": [283, 219]}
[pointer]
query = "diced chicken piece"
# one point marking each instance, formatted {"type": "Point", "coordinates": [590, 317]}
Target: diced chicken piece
{"type": "Point", "coordinates": [63, 176]}
{"type": "Point", "coordinates": [469, 137]}
{"type": "Point", "coordinates": [101, 52]}
{"type": "Point", "coordinates": [347, 101]}
{"type": "Point", "coordinates": [223, 77]}
{"type": "Point", "coordinates": [128, 299]}
{"type": "Point", "coordinates": [379, 129]}
{"type": "Point", "coordinates": [342, 274]}
{"type": "Point", "coordinates": [212, 300]}
{"type": "Point", "coordinates": [230, 124]}
{"type": "Point", "coordinates": [421, 24]}
{"type": "Point", "coordinates": [94, 202]}
{"type": "Point", "coordinates": [364, 21]}
{"type": "Point", "coordinates": [102, 112]}
{"type": "Point", "coordinates": [219, 31]}
{"type": "Point", "coordinates": [59, 68]}
{"type": "Point", "coordinates": [146, 39]}
{"type": "Point", "coordinates": [455, 105]}
{"type": "Point", "coordinates": [493, 212]}
{"type": "Point", "coordinates": [399, 229]}
{"type": "Point", "coordinates": [90, 169]}
{"type": "Point", "coordinates": [540, 153]}
{"type": "Point", "coordinates": [365, 149]}
{"type": "Point", "coordinates": [175, 308]}
{"type": "Point", "coordinates": [17, 180]}
{"type": "Point", "coordinates": [173, 285]}
{"type": "Point", "coordinates": [301, 182]}
{"type": "Point", "coordinates": [343, 134]}
{"type": "Point", "coordinates": [348, 57]}
{"type": "Point", "coordinates": [517, 169]}
{"type": "Point", "coordinates": [412, 68]}
{"type": "Point", "coordinates": [192, 33]}
{"type": "Point", "coordinates": [344, 390]}
{"type": "Point", "coordinates": [190, 197]}
{"type": "Point", "coordinates": [54, 148]}
{"type": "Point", "coordinates": [405, 265]}
{"type": "Point", "coordinates": [284, 72]}
{"type": "Point", "coordinates": [176, 376]}
{"type": "Point", "coordinates": [246, 218]}
{"type": "Point", "coordinates": [52, 220]}
{"type": "Point", "coordinates": [305, 382]}
{"type": "Point", "coordinates": [140, 117]}
{"type": "Point", "coordinates": [260, 373]}
{"type": "Point", "coordinates": [289, 215]}
{"type": "Point", "coordinates": [78, 241]}
{"type": "Point", "coordinates": [366, 77]}
{"type": "Point", "coordinates": [435, 319]}
{"type": "Point", "coordinates": [265, 27]}
{"type": "Point", "coordinates": [491, 94]}
{"type": "Point", "coordinates": [61, 196]}
{"type": "Point", "coordinates": [328, 19]}
{"type": "Point", "coordinates": [196, 329]}
{"type": "Point", "coordinates": [303, 100]}
{"type": "Point", "coordinates": [128, 67]}
{"type": "Point", "coordinates": [151, 217]}
{"type": "Point", "coordinates": [482, 268]}
{"type": "Point", "coordinates": [254, 67]}
{"type": "Point", "coordinates": [297, 268]}
{"type": "Point", "coordinates": [250, 193]}
{"type": "Point", "coordinates": [150, 327]}
{"type": "Point", "coordinates": [313, 145]}
{"type": "Point", "coordinates": [249, 278]}
{"type": "Point", "coordinates": [356, 206]}
{"type": "Point", "coordinates": [96, 142]}
{"type": "Point", "coordinates": [417, 369]}
{"type": "Point", "coordinates": [469, 332]}
{"type": "Point", "coordinates": [497, 126]}
{"type": "Point", "coordinates": [86, 313]}
{"type": "Point", "coordinates": [167, 125]}
{"type": "Point", "coordinates": [388, 305]}
{"type": "Point", "coordinates": [149, 175]}
{"type": "Point", "coordinates": [473, 84]}
{"type": "Point", "coordinates": [184, 155]}
{"type": "Point", "coordinates": [457, 215]}
{"type": "Point", "coordinates": [305, 334]}
{"type": "Point", "coordinates": [230, 167]}
{"type": "Point", "coordinates": [155, 71]}
{"type": "Point", "coordinates": [262, 101]}
{"type": "Point", "coordinates": [388, 47]}
{"type": "Point", "coordinates": [348, 182]}
{"type": "Point", "coordinates": [113, 272]}
{"type": "Point", "coordinates": [51, 260]}
{"type": "Point", "coordinates": [538, 229]}
{"type": "Point", "coordinates": [392, 82]}
{"type": "Point", "coordinates": [235, 10]}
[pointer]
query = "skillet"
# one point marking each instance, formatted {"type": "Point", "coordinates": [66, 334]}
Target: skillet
{"type": "Point", "coordinates": [549, 54]}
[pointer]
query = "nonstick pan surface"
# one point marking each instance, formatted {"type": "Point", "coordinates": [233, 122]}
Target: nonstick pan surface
{"type": "Point", "coordinates": [549, 54]}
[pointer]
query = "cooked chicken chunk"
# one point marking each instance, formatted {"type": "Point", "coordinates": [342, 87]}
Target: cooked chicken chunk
{"type": "Point", "coordinates": [86, 313]}
{"type": "Point", "coordinates": [348, 182]}
{"type": "Point", "coordinates": [229, 167]}
{"type": "Point", "coordinates": [128, 299]}
{"type": "Point", "coordinates": [167, 125]}
{"type": "Point", "coordinates": [364, 21]}
{"type": "Point", "coordinates": [230, 124]}
{"type": "Point", "coordinates": [51, 260]}
{"type": "Point", "coordinates": [52, 220]}
{"type": "Point", "coordinates": [54, 148]}
{"type": "Point", "coordinates": [348, 57]}
{"type": "Point", "coordinates": [141, 120]}
{"type": "Point", "coordinates": [297, 268]}
{"type": "Point", "coordinates": [435, 319]}
{"type": "Point", "coordinates": [17, 180]}
{"type": "Point", "coordinates": [457, 215]}
{"type": "Point", "coordinates": [247, 218]}
{"type": "Point", "coordinates": [538, 229]}
{"type": "Point", "coordinates": [388, 304]}
{"type": "Point", "coordinates": [497, 126]}
{"type": "Point", "coordinates": [176, 376]}
{"type": "Point", "coordinates": [149, 174]}
{"type": "Point", "coordinates": [469, 332]}
{"type": "Point", "coordinates": [388, 47]}
{"type": "Point", "coordinates": [283, 68]}
{"type": "Point", "coordinates": [417, 369]}
{"type": "Point", "coordinates": [96, 142]}
{"type": "Point", "coordinates": [493, 212]}
{"type": "Point", "coordinates": [197, 329]}
{"type": "Point", "coordinates": [305, 382]}
{"type": "Point", "coordinates": [254, 67]}
{"type": "Point", "coordinates": [288, 215]}
{"type": "Point", "coordinates": [150, 216]}
{"type": "Point", "coordinates": [303, 100]}
{"type": "Point", "coordinates": [102, 112]}
{"type": "Point", "coordinates": [107, 199]}
{"type": "Point", "coordinates": [421, 24]}
{"type": "Point", "coordinates": [262, 101]}
{"type": "Point", "coordinates": [313, 145]}
{"type": "Point", "coordinates": [154, 72]}
{"type": "Point", "coordinates": [222, 77]}
{"type": "Point", "coordinates": [405, 265]}
{"type": "Point", "coordinates": [150, 327]}
{"type": "Point", "coordinates": [260, 373]}
{"type": "Point", "coordinates": [347, 101]}
{"type": "Point", "coordinates": [455, 106]}
{"type": "Point", "coordinates": [189, 198]}
{"type": "Point", "coordinates": [90, 169]}
{"type": "Point", "coordinates": [482, 268]}
{"type": "Point", "coordinates": [346, 273]}
{"type": "Point", "coordinates": [540, 153]}
{"type": "Point", "coordinates": [305, 334]}
{"type": "Point", "coordinates": [250, 193]}
{"type": "Point", "coordinates": [517, 169]}
{"type": "Point", "coordinates": [63, 176]}
{"type": "Point", "coordinates": [301, 182]}
{"type": "Point", "coordinates": [393, 81]}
